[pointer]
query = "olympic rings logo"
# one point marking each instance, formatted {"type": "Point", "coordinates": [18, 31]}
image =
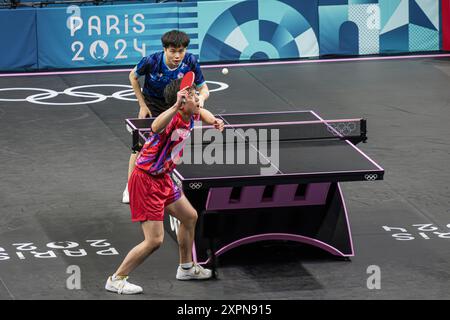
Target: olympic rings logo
{"type": "Point", "coordinates": [341, 128]}
{"type": "Point", "coordinates": [371, 177]}
{"type": "Point", "coordinates": [43, 95]}
{"type": "Point", "coordinates": [195, 185]}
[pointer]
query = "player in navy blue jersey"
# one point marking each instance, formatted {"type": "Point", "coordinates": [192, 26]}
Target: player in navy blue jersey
{"type": "Point", "coordinates": [160, 69]}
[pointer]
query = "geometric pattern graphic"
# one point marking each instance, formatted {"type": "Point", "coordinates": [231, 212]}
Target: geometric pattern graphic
{"type": "Point", "coordinates": [331, 18]}
{"type": "Point", "coordinates": [422, 39]}
{"type": "Point", "coordinates": [378, 26]}
{"type": "Point", "coordinates": [367, 18]}
{"type": "Point", "coordinates": [417, 21]}
{"type": "Point", "coordinates": [260, 29]}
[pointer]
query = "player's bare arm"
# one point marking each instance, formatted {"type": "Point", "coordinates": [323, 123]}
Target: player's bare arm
{"type": "Point", "coordinates": [203, 94]}
{"type": "Point", "coordinates": [209, 118]}
{"type": "Point", "coordinates": [164, 118]}
{"type": "Point", "coordinates": [143, 109]}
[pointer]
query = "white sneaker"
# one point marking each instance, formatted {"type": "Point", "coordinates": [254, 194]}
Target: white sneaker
{"type": "Point", "coordinates": [126, 195]}
{"type": "Point", "coordinates": [197, 272]}
{"type": "Point", "coordinates": [122, 286]}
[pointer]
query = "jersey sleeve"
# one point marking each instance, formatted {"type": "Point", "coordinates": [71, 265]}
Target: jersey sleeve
{"type": "Point", "coordinates": [143, 67]}
{"type": "Point", "coordinates": [195, 66]}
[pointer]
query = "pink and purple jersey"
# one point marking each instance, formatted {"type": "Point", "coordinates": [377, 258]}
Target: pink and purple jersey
{"type": "Point", "coordinates": [161, 149]}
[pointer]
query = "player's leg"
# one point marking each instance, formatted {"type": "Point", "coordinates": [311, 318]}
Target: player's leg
{"type": "Point", "coordinates": [182, 210]}
{"type": "Point", "coordinates": [187, 215]}
{"type": "Point", "coordinates": [131, 165]}
{"type": "Point", "coordinates": [153, 238]}
{"type": "Point", "coordinates": [146, 206]}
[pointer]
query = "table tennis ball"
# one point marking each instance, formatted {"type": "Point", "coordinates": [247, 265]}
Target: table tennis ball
{"type": "Point", "coordinates": [224, 71]}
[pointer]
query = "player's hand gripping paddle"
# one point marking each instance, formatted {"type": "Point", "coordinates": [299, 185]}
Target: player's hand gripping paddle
{"type": "Point", "coordinates": [187, 82]}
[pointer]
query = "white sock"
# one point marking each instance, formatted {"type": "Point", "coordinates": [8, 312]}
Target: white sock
{"type": "Point", "coordinates": [187, 265]}
{"type": "Point", "coordinates": [114, 277]}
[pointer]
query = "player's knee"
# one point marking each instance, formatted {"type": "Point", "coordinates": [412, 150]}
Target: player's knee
{"type": "Point", "coordinates": [189, 219]}
{"type": "Point", "coordinates": [157, 242]}
{"type": "Point", "coordinates": [154, 243]}
{"type": "Point", "coordinates": [193, 216]}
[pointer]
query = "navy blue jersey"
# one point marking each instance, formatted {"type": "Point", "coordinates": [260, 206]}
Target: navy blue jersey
{"type": "Point", "coordinates": [158, 75]}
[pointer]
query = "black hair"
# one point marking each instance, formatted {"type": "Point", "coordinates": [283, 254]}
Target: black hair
{"type": "Point", "coordinates": [170, 92]}
{"type": "Point", "coordinates": [175, 38]}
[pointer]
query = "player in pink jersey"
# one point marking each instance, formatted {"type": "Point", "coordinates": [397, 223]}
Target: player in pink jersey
{"type": "Point", "coordinates": [152, 189]}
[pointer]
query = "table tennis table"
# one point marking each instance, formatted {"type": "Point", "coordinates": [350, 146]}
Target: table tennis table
{"type": "Point", "coordinates": [299, 200]}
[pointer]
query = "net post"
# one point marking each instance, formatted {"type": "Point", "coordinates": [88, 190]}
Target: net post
{"type": "Point", "coordinates": [363, 130]}
{"type": "Point", "coordinates": [135, 141]}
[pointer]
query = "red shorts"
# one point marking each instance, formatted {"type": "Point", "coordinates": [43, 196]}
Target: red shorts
{"type": "Point", "coordinates": [149, 195]}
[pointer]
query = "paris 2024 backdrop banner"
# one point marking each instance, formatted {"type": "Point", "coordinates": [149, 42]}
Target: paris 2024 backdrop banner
{"type": "Point", "coordinates": [115, 35]}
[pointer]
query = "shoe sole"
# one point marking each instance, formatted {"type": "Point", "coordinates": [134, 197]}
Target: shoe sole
{"type": "Point", "coordinates": [114, 290]}
{"type": "Point", "coordinates": [192, 278]}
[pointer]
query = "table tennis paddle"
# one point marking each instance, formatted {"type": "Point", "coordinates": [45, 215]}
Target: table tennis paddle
{"type": "Point", "coordinates": [187, 82]}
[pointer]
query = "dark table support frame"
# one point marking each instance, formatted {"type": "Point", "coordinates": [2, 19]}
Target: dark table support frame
{"type": "Point", "coordinates": [322, 224]}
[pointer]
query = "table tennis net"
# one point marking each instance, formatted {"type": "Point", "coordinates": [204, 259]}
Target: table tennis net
{"type": "Point", "coordinates": [352, 129]}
